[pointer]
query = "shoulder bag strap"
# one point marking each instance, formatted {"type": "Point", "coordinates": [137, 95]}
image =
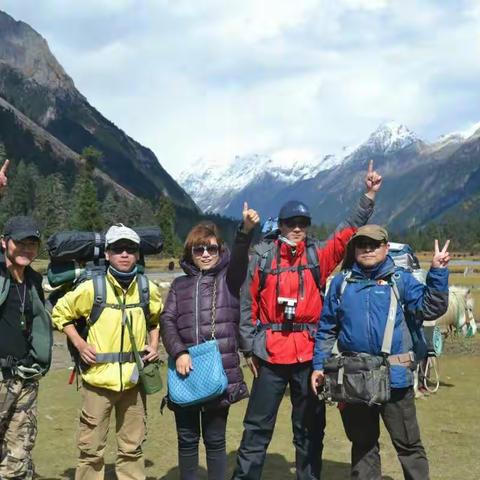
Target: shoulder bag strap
{"type": "Point", "coordinates": [214, 308]}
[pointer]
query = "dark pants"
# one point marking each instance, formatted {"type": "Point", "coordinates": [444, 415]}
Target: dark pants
{"type": "Point", "coordinates": [308, 421]}
{"type": "Point", "coordinates": [363, 430]}
{"type": "Point", "coordinates": [211, 424]}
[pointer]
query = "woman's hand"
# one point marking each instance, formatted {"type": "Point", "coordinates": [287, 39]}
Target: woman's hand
{"type": "Point", "coordinates": [250, 218]}
{"type": "Point", "coordinates": [441, 257]}
{"type": "Point", "coordinates": [183, 364]}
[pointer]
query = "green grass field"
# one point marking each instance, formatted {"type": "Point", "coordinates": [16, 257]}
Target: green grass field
{"type": "Point", "coordinates": [449, 422]}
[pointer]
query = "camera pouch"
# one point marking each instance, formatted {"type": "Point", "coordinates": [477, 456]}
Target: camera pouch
{"type": "Point", "coordinates": [357, 378]}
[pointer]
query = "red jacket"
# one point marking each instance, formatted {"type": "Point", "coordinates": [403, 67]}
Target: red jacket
{"type": "Point", "coordinates": [260, 308]}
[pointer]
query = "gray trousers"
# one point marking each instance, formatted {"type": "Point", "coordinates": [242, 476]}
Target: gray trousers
{"type": "Point", "coordinates": [361, 424]}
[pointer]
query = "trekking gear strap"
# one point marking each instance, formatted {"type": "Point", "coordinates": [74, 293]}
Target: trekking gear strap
{"type": "Point", "coordinates": [114, 357]}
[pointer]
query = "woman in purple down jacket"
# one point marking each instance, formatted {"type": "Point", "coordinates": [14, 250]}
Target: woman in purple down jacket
{"type": "Point", "coordinates": [186, 321]}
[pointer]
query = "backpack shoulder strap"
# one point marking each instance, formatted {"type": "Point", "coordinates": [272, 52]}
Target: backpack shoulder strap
{"type": "Point", "coordinates": [99, 297]}
{"type": "Point", "coordinates": [265, 258]}
{"type": "Point", "coordinates": [4, 288]}
{"type": "Point", "coordinates": [346, 277]}
{"type": "Point", "coordinates": [314, 264]}
{"type": "Point", "coordinates": [144, 294]}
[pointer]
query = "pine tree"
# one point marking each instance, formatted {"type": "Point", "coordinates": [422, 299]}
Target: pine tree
{"type": "Point", "coordinates": [86, 213]}
{"type": "Point", "coordinates": [165, 217]}
{"type": "Point", "coordinates": [51, 205]}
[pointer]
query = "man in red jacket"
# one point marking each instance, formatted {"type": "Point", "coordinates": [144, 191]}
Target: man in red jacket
{"type": "Point", "coordinates": [281, 302]}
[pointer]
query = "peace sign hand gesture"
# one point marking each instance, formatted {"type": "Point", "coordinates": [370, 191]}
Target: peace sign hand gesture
{"type": "Point", "coordinates": [3, 176]}
{"type": "Point", "coordinates": [373, 181]}
{"type": "Point", "coordinates": [250, 218]}
{"type": "Point", "coordinates": [441, 257]}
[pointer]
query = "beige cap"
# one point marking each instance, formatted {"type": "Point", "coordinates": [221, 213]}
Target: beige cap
{"type": "Point", "coordinates": [375, 232]}
{"type": "Point", "coordinates": [120, 232]}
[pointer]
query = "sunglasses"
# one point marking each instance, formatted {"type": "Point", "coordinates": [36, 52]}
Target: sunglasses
{"type": "Point", "coordinates": [369, 244]}
{"type": "Point", "coordinates": [300, 222]}
{"type": "Point", "coordinates": [199, 250]}
{"type": "Point", "coordinates": [130, 249]}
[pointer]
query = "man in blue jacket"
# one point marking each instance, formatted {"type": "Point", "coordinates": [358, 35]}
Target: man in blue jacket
{"type": "Point", "coordinates": [355, 315]}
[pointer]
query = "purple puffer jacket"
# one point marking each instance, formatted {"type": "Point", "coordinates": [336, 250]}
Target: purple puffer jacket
{"type": "Point", "coordinates": [187, 316]}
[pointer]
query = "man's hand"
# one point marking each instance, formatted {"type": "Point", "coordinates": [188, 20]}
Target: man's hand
{"type": "Point", "coordinates": [441, 257]}
{"type": "Point", "coordinates": [87, 352]}
{"type": "Point", "coordinates": [250, 218]}
{"type": "Point", "coordinates": [373, 181]}
{"type": "Point", "coordinates": [253, 364]}
{"type": "Point", "coordinates": [183, 364]}
{"type": "Point", "coordinates": [3, 176]}
{"type": "Point", "coordinates": [316, 380]}
{"type": "Point", "coordinates": [151, 354]}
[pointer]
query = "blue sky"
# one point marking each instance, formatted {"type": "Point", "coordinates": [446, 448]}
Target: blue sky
{"type": "Point", "coordinates": [206, 80]}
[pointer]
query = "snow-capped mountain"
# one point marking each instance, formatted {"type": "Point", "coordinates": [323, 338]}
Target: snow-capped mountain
{"type": "Point", "coordinates": [216, 185]}
{"type": "Point", "coordinates": [422, 181]}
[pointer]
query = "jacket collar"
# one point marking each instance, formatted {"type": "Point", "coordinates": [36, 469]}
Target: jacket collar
{"type": "Point", "coordinates": [383, 270]}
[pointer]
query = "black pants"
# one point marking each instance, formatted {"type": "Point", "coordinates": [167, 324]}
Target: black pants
{"type": "Point", "coordinates": [400, 418]}
{"type": "Point", "coordinates": [211, 424]}
{"type": "Point", "coordinates": [308, 421]}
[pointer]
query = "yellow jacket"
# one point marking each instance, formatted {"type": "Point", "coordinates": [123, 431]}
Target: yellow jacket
{"type": "Point", "coordinates": [108, 334]}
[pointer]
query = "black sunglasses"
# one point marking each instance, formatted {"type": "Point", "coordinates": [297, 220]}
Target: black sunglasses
{"type": "Point", "coordinates": [368, 244]}
{"type": "Point", "coordinates": [294, 222]}
{"type": "Point", "coordinates": [130, 249]}
{"type": "Point", "coordinates": [199, 250]}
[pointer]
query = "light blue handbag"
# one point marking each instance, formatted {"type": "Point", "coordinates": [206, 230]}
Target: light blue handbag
{"type": "Point", "coordinates": [207, 379]}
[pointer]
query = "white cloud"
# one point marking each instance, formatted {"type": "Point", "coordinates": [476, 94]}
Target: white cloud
{"type": "Point", "coordinates": [219, 78]}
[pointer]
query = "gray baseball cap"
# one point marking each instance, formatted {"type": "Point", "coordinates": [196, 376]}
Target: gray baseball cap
{"type": "Point", "coordinates": [120, 232]}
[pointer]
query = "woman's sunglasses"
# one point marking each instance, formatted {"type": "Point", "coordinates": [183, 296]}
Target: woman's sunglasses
{"type": "Point", "coordinates": [199, 250]}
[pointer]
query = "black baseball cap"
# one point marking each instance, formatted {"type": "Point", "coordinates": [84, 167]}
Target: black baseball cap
{"type": "Point", "coordinates": [21, 227]}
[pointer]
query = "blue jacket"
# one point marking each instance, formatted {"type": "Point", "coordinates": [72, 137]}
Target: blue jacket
{"type": "Point", "coordinates": [357, 318]}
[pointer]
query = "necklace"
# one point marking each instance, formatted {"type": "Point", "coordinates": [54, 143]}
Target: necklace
{"type": "Point", "coordinates": [23, 323]}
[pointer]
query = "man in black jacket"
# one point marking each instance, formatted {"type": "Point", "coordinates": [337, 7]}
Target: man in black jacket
{"type": "Point", "coordinates": [25, 343]}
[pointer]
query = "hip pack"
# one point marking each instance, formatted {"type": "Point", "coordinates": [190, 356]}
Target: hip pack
{"type": "Point", "coordinates": [360, 377]}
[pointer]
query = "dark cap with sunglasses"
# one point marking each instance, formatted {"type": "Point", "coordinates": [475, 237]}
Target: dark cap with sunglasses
{"type": "Point", "coordinates": [374, 232]}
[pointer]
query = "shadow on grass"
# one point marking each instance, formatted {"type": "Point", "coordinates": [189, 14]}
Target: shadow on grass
{"type": "Point", "coordinates": [69, 473]}
{"type": "Point", "coordinates": [276, 466]}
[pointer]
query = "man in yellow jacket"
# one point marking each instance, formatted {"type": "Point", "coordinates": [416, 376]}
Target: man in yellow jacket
{"type": "Point", "coordinates": [110, 376]}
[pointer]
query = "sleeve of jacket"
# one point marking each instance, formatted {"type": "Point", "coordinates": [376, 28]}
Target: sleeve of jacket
{"type": "Point", "coordinates": [331, 253]}
{"type": "Point", "coordinates": [156, 305]}
{"type": "Point", "coordinates": [168, 325]}
{"type": "Point", "coordinates": [73, 305]}
{"type": "Point", "coordinates": [429, 301]}
{"type": "Point", "coordinates": [328, 328]}
{"type": "Point", "coordinates": [237, 269]}
{"type": "Point", "coordinates": [249, 307]}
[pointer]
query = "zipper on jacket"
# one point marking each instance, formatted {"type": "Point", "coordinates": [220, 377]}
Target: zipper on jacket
{"type": "Point", "coordinates": [196, 307]}
{"type": "Point", "coordinates": [122, 334]}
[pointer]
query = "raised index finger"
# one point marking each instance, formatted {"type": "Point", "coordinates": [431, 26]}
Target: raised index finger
{"type": "Point", "coordinates": [370, 166]}
{"type": "Point", "coordinates": [4, 168]}
{"type": "Point", "coordinates": [437, 250]}
{"type": "Point", "coordinates": [245, 206]}
{"type": "Point", "coordinates": [445, 248]}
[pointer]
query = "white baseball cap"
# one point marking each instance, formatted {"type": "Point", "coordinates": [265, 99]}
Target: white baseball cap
{"type": "Point", "coordinates": [120, 232]}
